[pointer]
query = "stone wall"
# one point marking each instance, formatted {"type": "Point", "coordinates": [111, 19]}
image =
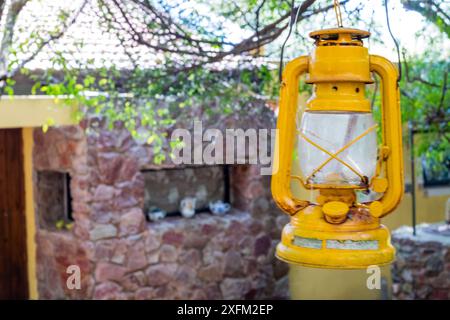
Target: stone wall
{"type": "Point", "coordinates": [121, 256]}
{"type": "Point", "coordinates": [422, 267]}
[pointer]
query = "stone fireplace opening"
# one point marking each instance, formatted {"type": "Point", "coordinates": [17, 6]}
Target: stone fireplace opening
{"type": "Point", "coordinates": [165, 188]}
{"type": "Point", "coordinates": [53, 199]}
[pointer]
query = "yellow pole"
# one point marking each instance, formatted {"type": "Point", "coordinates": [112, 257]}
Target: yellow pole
{"type": "Point", "coordinates": [337, 284]}
{"type": "Point", "coordinates": [27, 136]}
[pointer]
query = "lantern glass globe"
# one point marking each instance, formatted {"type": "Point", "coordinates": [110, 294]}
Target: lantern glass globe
{"type": "Point", "coordinates": [332, 131]}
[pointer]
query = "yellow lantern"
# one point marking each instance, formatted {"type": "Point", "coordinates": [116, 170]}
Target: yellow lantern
{"type": "Point", "coordinates": [338, 155]}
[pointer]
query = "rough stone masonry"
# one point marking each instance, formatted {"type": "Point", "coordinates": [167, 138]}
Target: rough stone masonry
{"type": "Point", "coordinates": [422, 267]}
{"type": "Point", "coordinates": [122, 256]}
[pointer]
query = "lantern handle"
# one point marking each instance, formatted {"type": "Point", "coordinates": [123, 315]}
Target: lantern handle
{"type": "Point", "coordinates": [281, 174]}
{"type": "Point", "coordinates": [391, 131]}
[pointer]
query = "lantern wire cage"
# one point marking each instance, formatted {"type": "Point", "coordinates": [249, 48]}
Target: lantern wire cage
{"type": "Point", "coordinates": [364, 180]}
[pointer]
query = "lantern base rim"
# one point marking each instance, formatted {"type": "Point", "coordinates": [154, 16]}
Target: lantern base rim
{"type": "Point", "coordinates": [339, 249]}
{"type": "Point", "coordinates": [292, 258]}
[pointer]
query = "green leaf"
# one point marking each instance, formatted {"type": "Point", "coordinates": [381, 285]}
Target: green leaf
{"type": "Point", "coordinates": [103, 82]}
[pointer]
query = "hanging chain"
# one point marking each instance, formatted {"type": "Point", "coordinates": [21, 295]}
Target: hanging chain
{"type": "Point", "coordinates": [397, 47]}
{"type": "Point", "coordinates": [293, 21]}
{"type": "Point", "coordinates": [337, 10]}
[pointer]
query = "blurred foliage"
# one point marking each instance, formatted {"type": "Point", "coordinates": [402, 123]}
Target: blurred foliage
{"type": "Point", "coordinates": [425, 101]}
{"type": "Point", "coordinates": [425, 104]}
{"type": "Point", "coordinates": [435, 11]}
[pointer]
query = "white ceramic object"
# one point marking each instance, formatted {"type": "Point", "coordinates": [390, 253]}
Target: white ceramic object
{"type": "Point", "coordinates": [187, 207]}
{"type": "Point", "coordinates": [156, 214]}
{"type": "Point", "coordinates": [219, 207]}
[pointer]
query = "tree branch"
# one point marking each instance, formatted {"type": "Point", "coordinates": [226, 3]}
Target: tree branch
{"type": "Point", "coordinates": [444, 90]}
{"type": "Point", "coordinates": [39, 46]}
{"type": "Point", "coordinates": [12, 12]}
{"type": "Point", "coordinates": [425, 8]}
{"type": "Point", "coordinates": [162, 27]}
{"type": "Point", "coordinates": [415, 78]}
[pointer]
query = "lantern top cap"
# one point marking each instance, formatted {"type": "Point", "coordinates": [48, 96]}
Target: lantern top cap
{"type": "Point", "coordinates": [339, 36]}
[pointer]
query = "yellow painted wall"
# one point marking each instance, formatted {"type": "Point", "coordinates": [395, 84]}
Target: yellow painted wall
{"type": "Point", "coordinates": [27, 136]}
{"type": "Point", "coordinates": [428, 208]}
{"type": "Point", "coordinates": [33, 111]}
